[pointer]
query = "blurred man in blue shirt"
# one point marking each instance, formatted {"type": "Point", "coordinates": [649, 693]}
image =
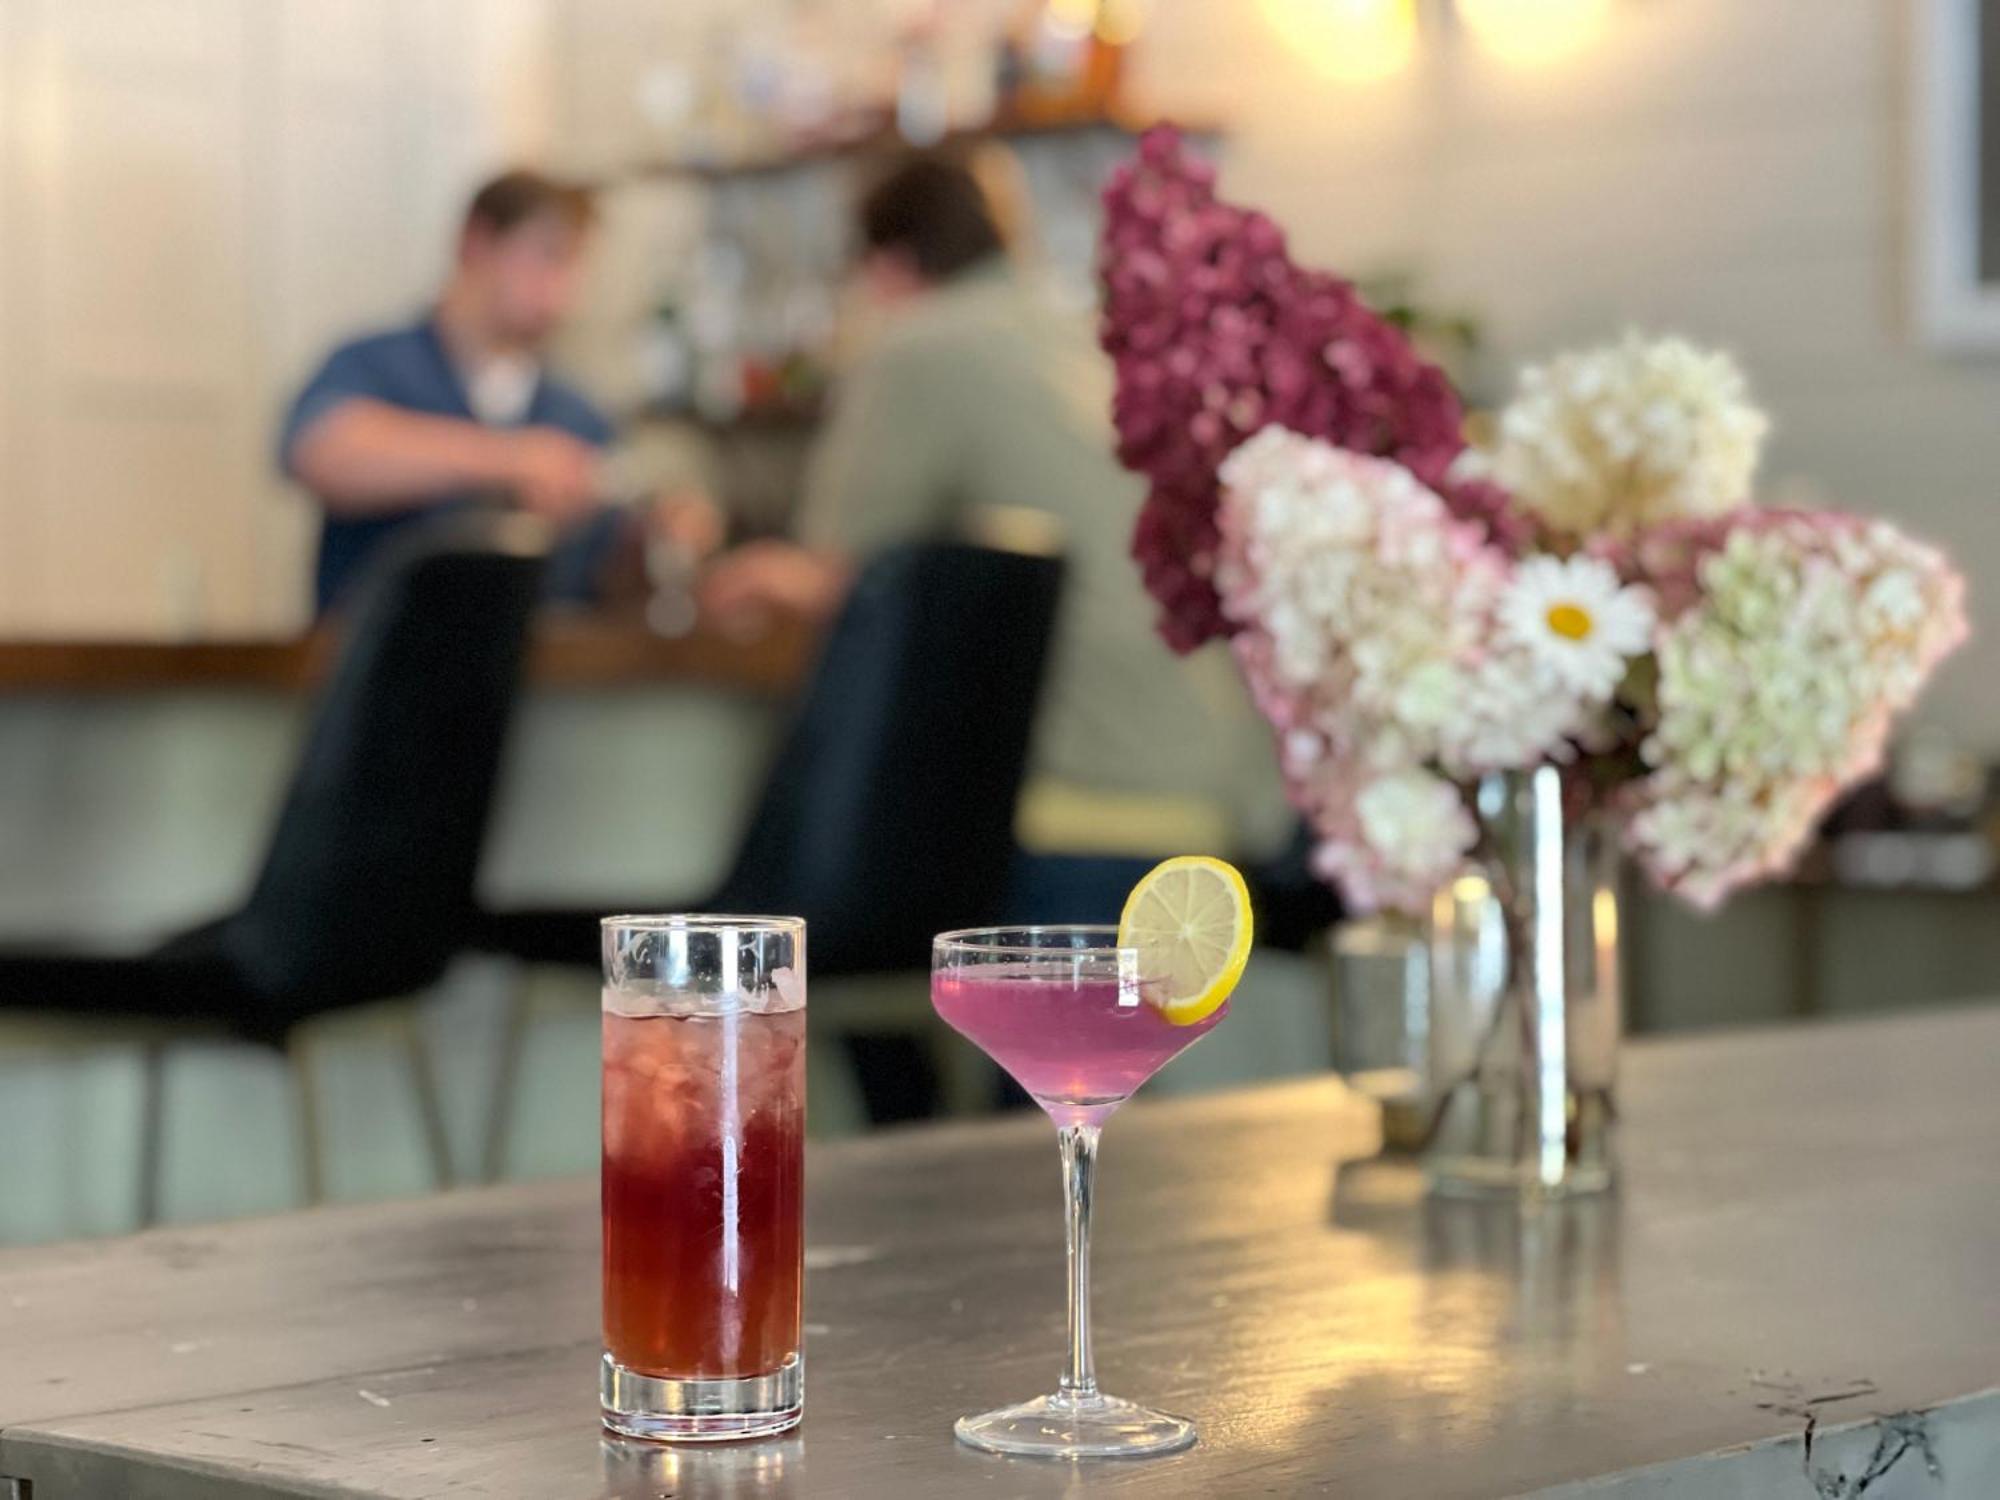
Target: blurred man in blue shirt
{"type": "Point", "coordinates": [457, 409]}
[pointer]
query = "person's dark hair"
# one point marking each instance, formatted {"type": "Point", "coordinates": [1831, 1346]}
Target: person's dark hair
{"type": "Point", "coordinates": [934, 211]}
{"type": "Point", "coordinates": [514, 198]}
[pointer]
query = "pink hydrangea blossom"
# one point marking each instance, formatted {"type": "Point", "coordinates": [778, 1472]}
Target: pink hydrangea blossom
{"type": "Point", "coordinates": [1667, 557]}
{"type": "Point", "coordinates": [1216, 334]}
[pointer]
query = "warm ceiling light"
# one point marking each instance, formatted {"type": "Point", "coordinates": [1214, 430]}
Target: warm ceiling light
{"type": "Point", "coordinates": [1352, 40]}
{"type": "Point", "coordinates": [1120, 22]}
{"type": "Point", "coordinates": [1532, 31]}
{"type": "Point", "coordinates": [1071, 18]}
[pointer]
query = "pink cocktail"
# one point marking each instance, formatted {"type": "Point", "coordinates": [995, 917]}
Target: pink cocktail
{"type": "Point", "coordinates": [1079, 1044]}
{"type": "Point", "coordinates": [1074, 1018]}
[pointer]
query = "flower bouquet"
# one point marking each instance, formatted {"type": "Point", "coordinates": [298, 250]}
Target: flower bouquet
{"type": "Point", "coordinates": [1505, 664]}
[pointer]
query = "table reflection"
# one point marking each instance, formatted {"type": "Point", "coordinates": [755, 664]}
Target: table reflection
{"type": "Point", "coordinates": [724, 1471]}
{"type": "Point", "coordinates": [1478, 1294]}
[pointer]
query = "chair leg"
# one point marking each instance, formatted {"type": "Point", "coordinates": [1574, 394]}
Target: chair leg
{"type": "Point", "coordinates": [430, 1107]}
{"type": "Point", "coordinates": [506, 1079]}
{"type": "Point", "coordinates": [305, 1090]}
{"type": "Point", "coordinates": [152, 1129]}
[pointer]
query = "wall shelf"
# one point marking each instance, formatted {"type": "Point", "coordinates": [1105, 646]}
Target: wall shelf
{"type": "Point", "coordinates": [885, 141]}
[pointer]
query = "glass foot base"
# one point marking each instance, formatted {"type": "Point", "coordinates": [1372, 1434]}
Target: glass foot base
{"type": "Point", "coordinates": [701, 1411]}
{"type": "Point", "coordinates": [1077, 1427]}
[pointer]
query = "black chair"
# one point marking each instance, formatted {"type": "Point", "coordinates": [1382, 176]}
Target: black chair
{"type": "Point", "coordinates": [888, 814]}
{"type": "Point", "coordinates": [366, 889]}
{"type": "Point", "coordinates": [1295, 908]}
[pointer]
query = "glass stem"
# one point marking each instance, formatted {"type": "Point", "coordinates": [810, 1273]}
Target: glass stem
{"type": "Point", "coordinates": [1079, 1160]}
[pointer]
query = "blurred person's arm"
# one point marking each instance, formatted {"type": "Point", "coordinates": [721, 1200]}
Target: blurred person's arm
{"type": "Point", "coordinates": [363, 455]}
{"type": "Point", "coordinates": [879, 474]}
{"type": "Point", "coordinates": [775, 577]}
{"type": "Point", "coordinates": [348, 440]}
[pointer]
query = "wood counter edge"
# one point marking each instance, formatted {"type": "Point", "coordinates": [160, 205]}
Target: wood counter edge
{"type": "Point", "coordinates": [565, 654]}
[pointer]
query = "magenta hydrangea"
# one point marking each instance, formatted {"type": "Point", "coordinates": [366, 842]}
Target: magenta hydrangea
{"type": "Point", "coordinates": [1667, 556]}
{"type": "Point", "coordinates": [1216, 334]}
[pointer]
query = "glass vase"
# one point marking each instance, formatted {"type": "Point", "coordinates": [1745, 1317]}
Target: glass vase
{"type": "Point", "coordinates": [1526, 1008]}
{"type": "Point", "coordinates": [1381, 1020]}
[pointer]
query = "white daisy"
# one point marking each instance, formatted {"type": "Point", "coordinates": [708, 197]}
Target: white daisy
{"type": "Point", "coordinates": [1578, 625]}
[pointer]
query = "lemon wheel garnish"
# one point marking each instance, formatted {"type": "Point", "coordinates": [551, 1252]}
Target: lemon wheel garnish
{"type": "Point", "coordinates": [1191, 918]}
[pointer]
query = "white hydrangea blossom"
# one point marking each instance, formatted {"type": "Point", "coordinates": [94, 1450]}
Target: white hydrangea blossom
{"type": "Point", "coordinates": [1611, 439]}
{"type": "Point", "coordinates": [1416, 823]}
{"type": "Point", "coordinates": [1381, 606]}
{"type": "Point", "coordinates": [1400, 656]}
{"type": "Point", "coordinates": [1780, 688]}
{"type": "Point", "coordinates": [1351, 568]}
{"type": "Point", "coordinates": [1373, 643]}
{"type": "Point", "coordinates": [1511, 716]}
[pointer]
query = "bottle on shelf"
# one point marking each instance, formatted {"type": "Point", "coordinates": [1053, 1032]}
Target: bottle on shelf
{"type": "Point", "coordinates": [923, 98]}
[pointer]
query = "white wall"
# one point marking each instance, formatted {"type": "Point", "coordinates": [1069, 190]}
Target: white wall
{"type": "Point", "coordinates": [195, 197]}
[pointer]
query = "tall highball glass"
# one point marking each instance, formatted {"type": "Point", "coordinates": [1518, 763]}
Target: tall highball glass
{"type": "Point", "coordinates": [704, 1174]}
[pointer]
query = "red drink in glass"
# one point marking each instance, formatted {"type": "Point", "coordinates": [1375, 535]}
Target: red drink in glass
{"type": "Point", "coordinates": [703, 1186]}
{"type": "Point", "coordinates": [704, 1223]}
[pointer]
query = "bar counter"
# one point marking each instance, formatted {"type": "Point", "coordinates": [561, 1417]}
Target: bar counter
{"type": "Point", "coordinates": [139, 780]}
{"type": "Point", "coordinates": [568, 652]}
{"type": "Point", "coordinates": [1795, 1289]}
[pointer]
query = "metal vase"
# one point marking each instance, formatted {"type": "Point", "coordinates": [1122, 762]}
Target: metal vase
{"type": "Point", "coordinates": [1526, 1009]}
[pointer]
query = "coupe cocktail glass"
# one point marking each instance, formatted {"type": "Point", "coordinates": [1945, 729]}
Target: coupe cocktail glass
{"type": "Point", "coordinates": [1065, 1010]}
{"type": "Point", "coordinates": [704, 1171]}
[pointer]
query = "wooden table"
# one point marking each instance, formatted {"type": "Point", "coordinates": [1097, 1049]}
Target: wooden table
{"type": "Point", "coordinates": [1808, 1237]}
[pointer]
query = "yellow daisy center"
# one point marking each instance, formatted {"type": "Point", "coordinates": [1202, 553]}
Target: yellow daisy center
{"type": "Point", "coordinates": [1571, 621]}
